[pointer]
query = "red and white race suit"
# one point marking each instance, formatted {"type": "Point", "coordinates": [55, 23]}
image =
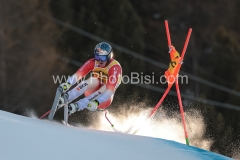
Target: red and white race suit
{"type": "Point", "coordinates": [101, 85]}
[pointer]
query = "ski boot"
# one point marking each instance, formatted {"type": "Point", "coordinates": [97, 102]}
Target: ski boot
{"type": "Point", "coordinates": [72, 107]}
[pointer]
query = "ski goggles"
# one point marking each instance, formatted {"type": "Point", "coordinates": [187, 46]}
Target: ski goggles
{"type": "Point", "coordinates": [102, 58]}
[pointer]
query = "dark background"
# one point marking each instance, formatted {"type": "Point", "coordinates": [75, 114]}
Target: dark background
{"type": "Point", "coordinates": [42, 39]}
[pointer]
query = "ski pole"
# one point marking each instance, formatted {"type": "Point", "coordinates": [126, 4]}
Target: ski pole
{"type": "Point", "coordinates": [45, 114]}
{"type": "Point", "coordinates": [105, 110]}
{"type": "Point", "coordinates": [108, 119]}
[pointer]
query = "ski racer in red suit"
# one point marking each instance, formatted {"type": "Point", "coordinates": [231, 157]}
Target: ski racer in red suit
{"type": "Point", "coordinates": [99, 89]}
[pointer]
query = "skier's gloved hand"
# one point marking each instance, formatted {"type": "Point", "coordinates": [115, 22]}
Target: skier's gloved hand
{"type": "Point", "coordinates": [93, 105]}
{"type": "Point", "coordinates": [64, 87]}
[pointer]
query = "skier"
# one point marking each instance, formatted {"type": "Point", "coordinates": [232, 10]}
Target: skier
{"type": "Point", "coordinates": [99, 89]}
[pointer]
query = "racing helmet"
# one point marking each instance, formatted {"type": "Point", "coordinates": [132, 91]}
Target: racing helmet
{"type": "Point", "coordinates": [103, 52]}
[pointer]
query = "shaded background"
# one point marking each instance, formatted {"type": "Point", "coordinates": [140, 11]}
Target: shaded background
{"type": "Point", "coordinates": [39, 40]}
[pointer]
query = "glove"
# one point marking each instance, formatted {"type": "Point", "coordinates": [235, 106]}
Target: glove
{"type": "Point", "coordinates": [64, 87]}
{"type": "Point", "coordinates": [93, 105]}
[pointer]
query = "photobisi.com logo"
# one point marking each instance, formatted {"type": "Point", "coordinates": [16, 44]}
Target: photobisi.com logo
{"type": "Point", "coordinates": [136, 78]}
{"type": "Point", "coordinates": [133, 78]}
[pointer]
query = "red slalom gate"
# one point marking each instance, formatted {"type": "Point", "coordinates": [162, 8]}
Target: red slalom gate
{"type": "Point", "coordinates": [172, 75]}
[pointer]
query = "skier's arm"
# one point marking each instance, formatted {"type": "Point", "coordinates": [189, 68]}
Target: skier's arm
{"type": "Point", "coordinates": [82, 72]}
{"type": "Point", "coordinates": [114, 80]}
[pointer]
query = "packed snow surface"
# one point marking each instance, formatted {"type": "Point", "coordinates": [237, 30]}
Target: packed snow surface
{"type": "Point", "coordinates": [24, 138]}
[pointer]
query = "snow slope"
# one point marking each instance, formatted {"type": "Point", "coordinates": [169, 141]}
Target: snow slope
{"type": "Point", "coordinates": [24, 138]}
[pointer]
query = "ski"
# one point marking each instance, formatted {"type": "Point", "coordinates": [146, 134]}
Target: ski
{"type": "Point", "coordinates": [54, 106]}
{"type": "Point", "coordinates": [65, 110]}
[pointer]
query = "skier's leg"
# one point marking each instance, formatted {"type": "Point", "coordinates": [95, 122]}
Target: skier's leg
{"type": "Point", "coordinates": [82, 103]}
{"type": "Point", "coordinates": [89, 84]}
{"type": "Point", "coordinates": [105, 104]}
{"type": "Point", "coordinates": [73, 107]}
{"type": "Point", "coordinates": [90, 91]}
